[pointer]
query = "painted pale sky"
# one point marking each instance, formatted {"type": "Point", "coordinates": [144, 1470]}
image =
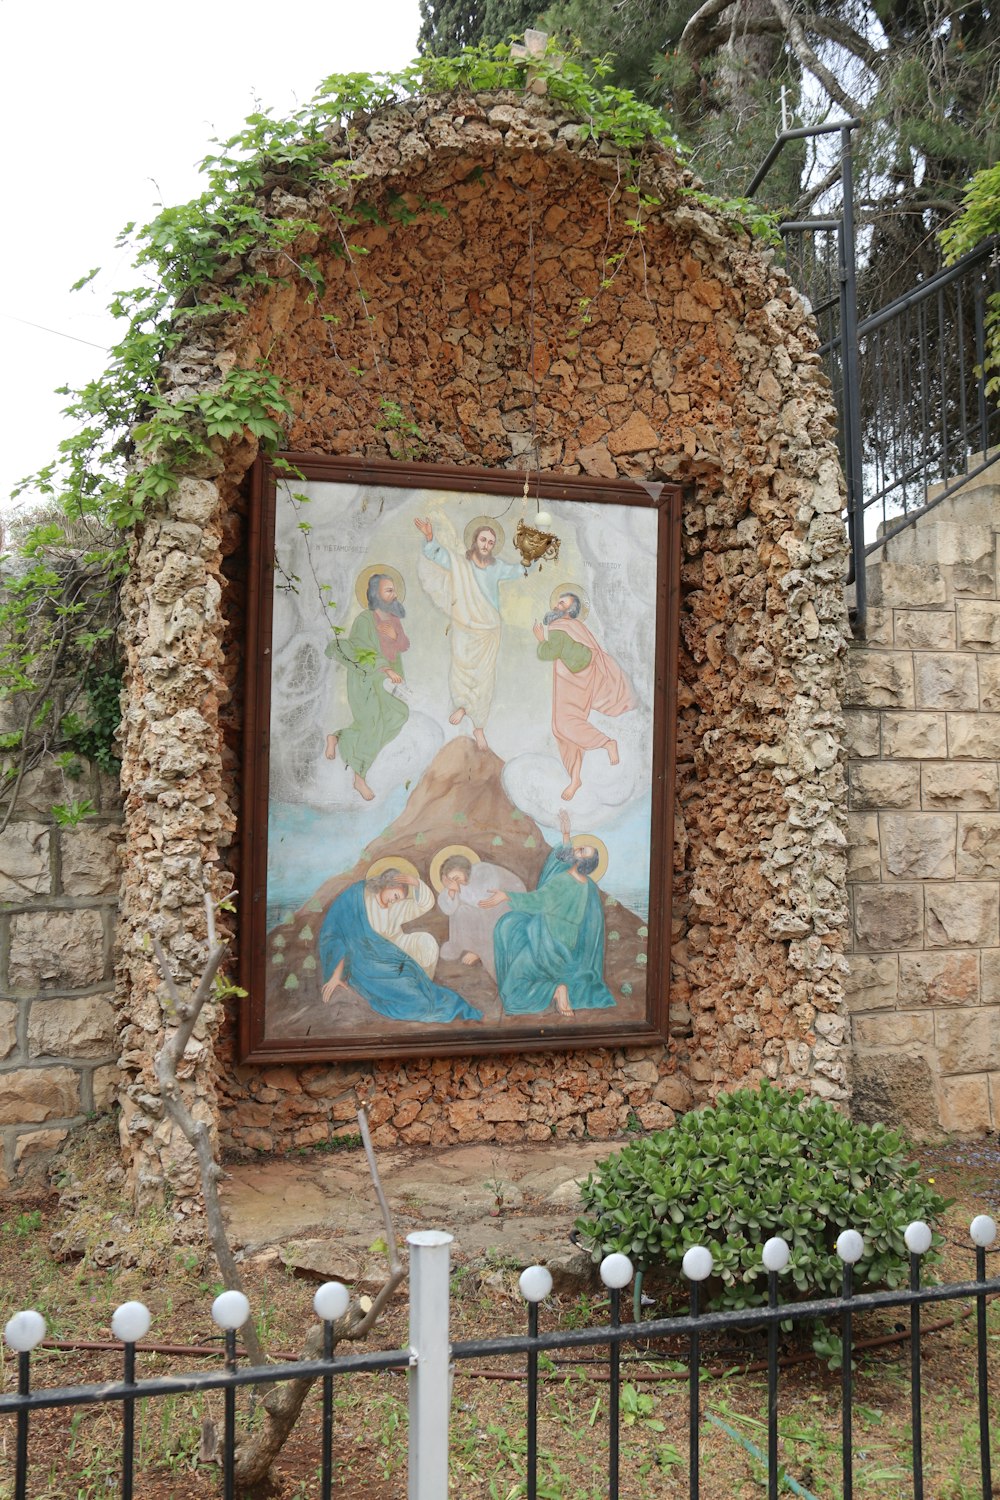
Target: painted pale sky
{"type": "Point", "coordinates": [107, 108]}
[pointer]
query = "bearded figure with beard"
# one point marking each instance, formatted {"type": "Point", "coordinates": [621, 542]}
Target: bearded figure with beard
{"type": "Point", "coordinates": [466, 587]}
{"type": "Point", "coordinates": [373, 656]}
{"type": "Point", "coordinates": [585, 680]}
{"type": "Point", "coordinates": [548, 949]}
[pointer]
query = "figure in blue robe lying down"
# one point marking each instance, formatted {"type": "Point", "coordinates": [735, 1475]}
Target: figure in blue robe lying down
{"type": "Point", "coordinates": [549, 948]}
{"type": "Point", "coordinates": [361, 943]}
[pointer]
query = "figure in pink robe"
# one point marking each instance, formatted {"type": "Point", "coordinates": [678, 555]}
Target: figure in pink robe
{"type": "Point", "coordinates": [585, 679]}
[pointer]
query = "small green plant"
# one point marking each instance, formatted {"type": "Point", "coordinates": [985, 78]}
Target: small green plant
{"type": "Point", "coordinates": [638, 1406]}
{"type": "Point", "coordinates": [760, 1163]}
{"type": "Point", "coordinates": [979, 222]}
{"type": "Point", "coordinates": [92, 734]}
{"type": "Point", "coordinates": [762, 223]}
{"type": "Point", "coordinates": [71, 814]}
{"type": "Point", "coordinates": [409, 441]}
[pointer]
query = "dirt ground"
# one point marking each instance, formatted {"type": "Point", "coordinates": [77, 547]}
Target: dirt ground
{"type": "Point", "coordinates": [76, 1453]}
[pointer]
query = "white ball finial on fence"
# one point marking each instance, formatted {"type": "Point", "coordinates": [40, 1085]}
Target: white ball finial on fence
{"type": "Point", "coordinates": [918, 1237]}
{"type": "Point", "coordinates": [130, 1322]}
{"type": "Point", "coordinates": [331, 1301]}
{"type": "Point", "coordinates": [616, 1271]}
{"type": "Point", "coordinates": [697, 1263]}
{"type": "Point", "coordinates": [850, 1246]}
{"type": "Point", "coordinates": [983, 1230]}
{"type": "Point", "coordinates": [535, 1283]}
{"type": "Point", "coordinates": [230, 1310]}
{"type": "Point", "coordinates": [775, 1254]}
{"type": "Point", "coordinates": [24, 1331]}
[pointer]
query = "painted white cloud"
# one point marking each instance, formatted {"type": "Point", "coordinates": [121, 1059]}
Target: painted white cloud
{"type": "Point", "coordinates": [535, 782]}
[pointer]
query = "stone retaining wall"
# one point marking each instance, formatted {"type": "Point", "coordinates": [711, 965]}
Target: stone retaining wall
{"type": "Point", "coordinates": [923, 721]}
{"type": "Point", "coordinates": [58, 898]}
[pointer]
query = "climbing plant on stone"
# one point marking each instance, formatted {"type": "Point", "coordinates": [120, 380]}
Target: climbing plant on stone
{"type": "Point", "coordinates": [148, 417]}
{"type": "Point", "coordinates": [978, 222]}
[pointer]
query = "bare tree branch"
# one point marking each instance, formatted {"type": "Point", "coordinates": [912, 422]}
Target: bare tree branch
{"type": "Point", "coordinates": [699, 35]}
{"type": "Point", "coordinates": [808, 198]}
{"type": "Point", "coordinates": [282, 1405]}
{"type": "Point", "coordinates": [196, 1132]}
{"type": "Point", "coordinates": [800, 46]}
{"type": "Point", "coordinates": [834, 30]}
{"type": "Point", "coordinates": [708, 28]}
{"type": "Point", "coordinates": [396, 1271]}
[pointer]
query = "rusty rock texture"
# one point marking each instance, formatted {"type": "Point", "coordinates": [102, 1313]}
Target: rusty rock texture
{"type": "Point", "coordinates": [508, 306]}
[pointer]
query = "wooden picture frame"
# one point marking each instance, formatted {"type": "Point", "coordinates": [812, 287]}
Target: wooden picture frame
{"type": "Point", "coordinates": [414, 731]}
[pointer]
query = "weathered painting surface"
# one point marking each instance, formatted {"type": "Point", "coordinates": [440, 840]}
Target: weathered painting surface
{"type": "Point", "coordinates": [461, 764]}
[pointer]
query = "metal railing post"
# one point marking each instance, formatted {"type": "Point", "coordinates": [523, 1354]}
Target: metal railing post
{"type": "Point", "coordinates": [614, 1397]}
{"type": "Point", "coordinates": [21, 1441]}
{"type": "Point", "coordinates": [984, 1230]}
{"type": "Point", "coordinates": [128, 1426]}
{"type": "Point", "coordinates": [918, 1239]}
{"type": "Point", "coordinates": [430, 1357]}
{"type": "Point", "coordinates": [229, 1422]}
{"type": "Point", "coordinates": [851, 359]}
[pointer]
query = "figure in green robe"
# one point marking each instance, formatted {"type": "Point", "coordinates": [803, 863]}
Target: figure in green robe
{"type": "Point", "coordinates": [373, 656]}
{"type": "Point", "coordinates": [549, 948]}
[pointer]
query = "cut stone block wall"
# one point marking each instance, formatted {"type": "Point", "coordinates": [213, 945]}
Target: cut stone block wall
{"type": "Point", "coordinates": [58, 899]}
{"type": "Point", "coordinates": [923, 728]}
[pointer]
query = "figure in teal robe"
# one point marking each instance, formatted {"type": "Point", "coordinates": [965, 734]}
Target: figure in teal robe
{"type": "Point", "coordinates": [390, 980]}
{"type": "Point", "coordinates": [552, 935]}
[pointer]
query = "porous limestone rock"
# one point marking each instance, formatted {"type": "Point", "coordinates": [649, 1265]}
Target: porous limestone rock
{"type": "Point", "coordinates": [697, 362]}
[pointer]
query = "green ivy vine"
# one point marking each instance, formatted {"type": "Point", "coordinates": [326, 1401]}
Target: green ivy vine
{"type": "Point", "coordinates": [133, 434]}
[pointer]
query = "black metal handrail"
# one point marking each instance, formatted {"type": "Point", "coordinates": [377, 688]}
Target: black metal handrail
{"type": "Point", "coordinates": [928, 415]}
{"type": "Point", "coordinates": [908, 380]}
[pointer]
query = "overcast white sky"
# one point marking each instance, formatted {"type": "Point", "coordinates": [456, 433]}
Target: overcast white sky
{"type": "Point", "coordinates": [106, 108]}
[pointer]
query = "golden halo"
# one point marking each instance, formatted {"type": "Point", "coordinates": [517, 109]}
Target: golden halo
{"type": "Point", "coordinates": [571, 588]}
{"type": "Point", "coordinates": [392, 862]}
{"type": "Point", "coordinates": [476, 524]}
{"type": "Point", "coordinates": [595, 843]}
{"type": "Point", "coordinates": [361, 587]}
{"type": "Point", "coordinates": [446, 853]}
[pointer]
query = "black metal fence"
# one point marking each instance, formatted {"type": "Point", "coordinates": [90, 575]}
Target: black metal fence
{"type": "Point", "coordinates": [915, 419]}
{"type": "Point", "coordinates": [429, 1359]}
{"type": "Point", "coordinates": [928, 423]}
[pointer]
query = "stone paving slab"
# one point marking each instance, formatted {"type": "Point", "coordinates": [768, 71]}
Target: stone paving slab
{"type": "Point", "coordinates": [509, 1206]}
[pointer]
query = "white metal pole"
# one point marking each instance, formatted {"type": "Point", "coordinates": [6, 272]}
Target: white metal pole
{"type": "Point", "coordinates": [430, 1355]}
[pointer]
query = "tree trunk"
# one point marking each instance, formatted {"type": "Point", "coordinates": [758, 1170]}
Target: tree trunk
{"type": "Point", "coordinates": [747, 58]}
{"type": "Point", "coordinates": [256, 1452]}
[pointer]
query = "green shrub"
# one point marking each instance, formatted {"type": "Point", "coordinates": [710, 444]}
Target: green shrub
{"type": "Point", "coordinates": [760, 1163]}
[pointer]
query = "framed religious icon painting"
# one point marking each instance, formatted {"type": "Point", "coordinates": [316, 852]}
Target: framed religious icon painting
{"type": "Point", "coordinates": [457, 816]}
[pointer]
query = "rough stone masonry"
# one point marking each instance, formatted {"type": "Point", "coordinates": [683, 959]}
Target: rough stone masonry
{"type": "Point", "coordinates": [513, 310]}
